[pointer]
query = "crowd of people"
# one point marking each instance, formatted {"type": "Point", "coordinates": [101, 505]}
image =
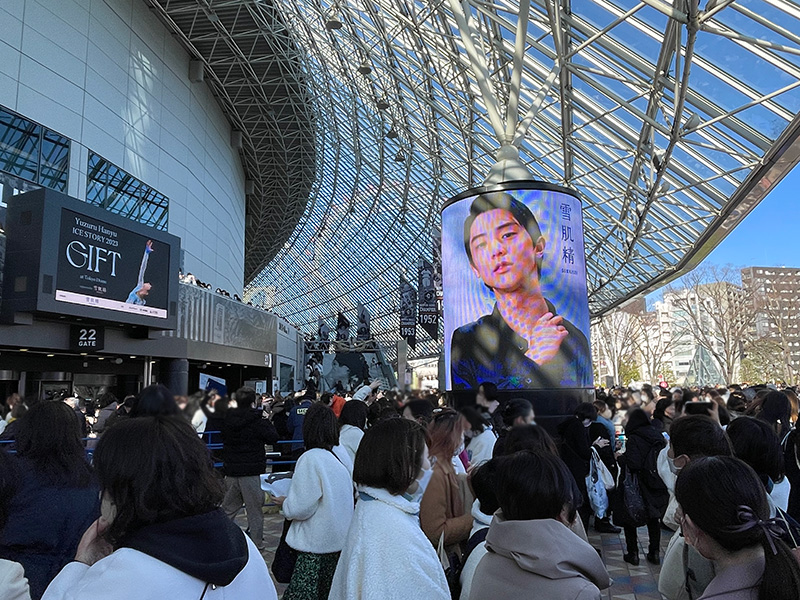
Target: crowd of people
{"type": "Point", "coordinates": [394, 495]}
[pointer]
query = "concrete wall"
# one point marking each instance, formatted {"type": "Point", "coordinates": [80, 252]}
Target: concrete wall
{"type": "Point", "coordinates": [108, 75]}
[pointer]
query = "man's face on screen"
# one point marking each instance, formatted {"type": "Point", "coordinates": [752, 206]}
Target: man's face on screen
{"type": "Point", "coordinates": [503, 253]}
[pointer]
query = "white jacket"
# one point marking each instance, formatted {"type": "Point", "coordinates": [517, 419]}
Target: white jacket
{"type": "Point", "coordinates": [481, 447]}
{"type": "Point", "coordinates": [349, 438]}
{"type": "Point", "coordinates": [386, 556]}
{"type": "Point", "coordinates": [128, 574]}
{"type": "Point", "coordinates": [13, 585]}
{"type": "Point", "coordinates": [480, 521]}
{"type": "Point", "coordinates": [319, 503]}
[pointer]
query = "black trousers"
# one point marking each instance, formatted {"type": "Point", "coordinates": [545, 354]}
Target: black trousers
{"type": "Point", "coordinates": [653, 531]}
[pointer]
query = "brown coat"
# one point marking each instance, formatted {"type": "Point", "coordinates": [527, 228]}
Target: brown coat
{"type": "Point", "coordinates": [442, 507]}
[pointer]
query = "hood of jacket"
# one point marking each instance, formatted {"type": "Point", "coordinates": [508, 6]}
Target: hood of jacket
{"type": "Point", "coordinates": [547, 548]}
{"type": "Point", "coordinates": [209, 547]}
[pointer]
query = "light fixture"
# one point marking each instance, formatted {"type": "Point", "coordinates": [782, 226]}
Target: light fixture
{"type": "Point", "coordinates": [392, 133]}
{"type": "Point", "coordinates": [118, 361]}
{"type": "Point", "coordinates": [692, 122]}
{"type": "Point", "coordinates": [101, 358]}
{"type": "Point", "coordinates": [50, 355]}
{"type": "Point", "coordinates": [23, 349]}
{"type": "Point", "coordinates": [364, 68]}
{"type": "Point", "coordinates": [333, 21]}
{"type": "Point", "coordinates": [132, 356]}
{"type": "Point", "coordinates": [83, 353]}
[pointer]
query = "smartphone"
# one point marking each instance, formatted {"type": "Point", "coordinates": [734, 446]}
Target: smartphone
{"type": "Point", "coordinates": [698, 408]}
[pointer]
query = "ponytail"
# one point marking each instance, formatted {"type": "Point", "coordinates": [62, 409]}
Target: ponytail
{"type": "Point", "coordinates": [781, 580]}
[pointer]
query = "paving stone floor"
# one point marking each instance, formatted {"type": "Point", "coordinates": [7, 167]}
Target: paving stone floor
{"type": "Point", "coordinates": [630, 583]}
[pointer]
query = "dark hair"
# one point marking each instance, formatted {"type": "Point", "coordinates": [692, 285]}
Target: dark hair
{"type": "Point", "coordinates": [9, 481]}
{"type": "Point", "coordinates": [168, 476]}
{"type": "Point", "coordinates": [320, 429]}
{"type": "Point", "coordinates": [445, 430]}
{"type": "Point", "coordinates": [698, 435]}
{"type": "Point", "coordinates": [516, 407]}
{"type": "Point", "coordinates": [49, 437]}
{"type": "Point", "coordinates": [535, 485]}
{"type": "Point", "coordinates": [661, 408]}
{"type": "Point", "coordinates": [421, 410]}
{"type": "Point", "coordinates": [637, 419]}
{"type": "Point", "coordinates": [389, 455]}
{"type": "Point", "coordinates": [757, 444]}
{"type": "Point", "coordinates": [737, 402]}
{"type": "Point", "coordinates": [586, 410]}
{"type": "Point", "coordinates": [521, 213]}
{"type": "Point", "coordinates": [245, 398]}
{"type": "Point", "coordinates": [776, 409]}
{"type": "Point", "coordinates": [155, 400]}
{"type": "Point", "coordinates": [106, 399]}
{"type": "Point", "coordinates": [529, 437]}
{"type": "Point", "coordinates": [477, 422]}
{"type": "Point", "coordinates": [712, 491]}
{"type": "Point", "coordinates": [326, 398]}
{"type": "Point", "coordinates": [483, 481]}
{"type": "Point", "coordinates": [489, 390]}
{"type": "Point", "coordinates": [354, 413]}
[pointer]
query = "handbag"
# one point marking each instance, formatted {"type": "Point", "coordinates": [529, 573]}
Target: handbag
{"type": "Point", "coordinates": [452, 568]}
{"type": "Point", "coordinates": [598, 497]}
{"type": "Point", "coordinates": [632, 501]}
{"type": "Point", "coordinates": [602, 470]}
{"type": "Point", "coordinates": [285, 557]}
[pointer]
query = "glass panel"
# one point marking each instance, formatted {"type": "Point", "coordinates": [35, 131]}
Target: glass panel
{"type": "Point", "coordinates": [19, 145]}
{"type": "Point", "coordinates": [55, 161]}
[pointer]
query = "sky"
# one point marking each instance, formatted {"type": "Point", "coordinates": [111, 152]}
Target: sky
{"type": "Point", "coordinates": [770, 235]}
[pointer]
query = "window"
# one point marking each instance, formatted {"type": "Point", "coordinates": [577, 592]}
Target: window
{"type": "Point", "coordinates": [121, 193]}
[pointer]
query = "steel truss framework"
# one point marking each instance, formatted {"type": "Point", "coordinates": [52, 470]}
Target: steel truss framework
{"type": "Point", "coordinates": [671, 120]}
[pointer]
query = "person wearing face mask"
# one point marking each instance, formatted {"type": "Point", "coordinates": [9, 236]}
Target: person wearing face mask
{"type": "Point", "coordinates": [725, 517]}
{"type": "Point", "coordinates": [392, 471]}
{"type": "Point", "coordinates": [481, 436]}
{"type": "Point", "coordinates": [442, 510]}
{"type": "Point", "coordinates": [685, 573]}
{"type": "Point", "coordinates": [531, 551]}
{"type": "Point", "coordinates": [516, 412]}
{"type": "Point", "coordinates": [161, 533]}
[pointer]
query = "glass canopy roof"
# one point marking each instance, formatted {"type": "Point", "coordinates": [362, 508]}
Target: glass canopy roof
{"type": "Point", "coordinates": [670, 120]}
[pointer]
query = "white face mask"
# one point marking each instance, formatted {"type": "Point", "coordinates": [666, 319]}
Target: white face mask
{"type": "Point", "coordinates": [422, 483]}
{"type": "Point", "coordinates": [672, 467]}
{"type": "Point", "coordinates": [108, 510]}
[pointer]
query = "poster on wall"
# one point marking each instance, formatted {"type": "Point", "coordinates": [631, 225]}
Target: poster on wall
{"type": "Point", "coordinates": [428, 317]}
{"type": "Point", "coordinates": [106, 266]}
{"type": "Point", "coordinates": [408, 312]}
{"type": "Point", "coordinates": [515, 299]}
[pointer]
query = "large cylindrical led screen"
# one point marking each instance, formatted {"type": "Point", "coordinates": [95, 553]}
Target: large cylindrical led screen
{"type": "Point", "coordinates": [516, 312]}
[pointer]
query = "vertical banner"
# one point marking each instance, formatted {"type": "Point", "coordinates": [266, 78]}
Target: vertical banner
{"type": "Point", "coordinates": [437, 265]}
{"type": "Point", "coordinates": [342, 328]}
{"type": "Point", "coordinates": [408, 313]}
{"type": "Point", "coordinates": [428, 313]}
{"type": "Point", "coordinates": [362, 333]}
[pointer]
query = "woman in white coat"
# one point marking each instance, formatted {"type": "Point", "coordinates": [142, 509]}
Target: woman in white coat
{"type": "Point", "coordinates": [386, 555]}
{"type": "Point", "coordinates": [353, 420]}
{"type": "Point", "coordinates": [161, 533]}
{"type": "Point", "coordinates": [320, 506]}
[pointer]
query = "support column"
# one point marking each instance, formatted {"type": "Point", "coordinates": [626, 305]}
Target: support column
{"type": "Point", "coordinates": [176, 376]}
{"type": "Point", "coordinates": [402, 363]}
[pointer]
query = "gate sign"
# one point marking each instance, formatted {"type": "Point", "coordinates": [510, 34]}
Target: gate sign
{"type": "Point", "coordinates": [86, 338]}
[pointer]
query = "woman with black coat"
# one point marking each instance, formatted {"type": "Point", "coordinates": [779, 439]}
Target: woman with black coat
{"type": "Point", "coordinates": [643, 444]}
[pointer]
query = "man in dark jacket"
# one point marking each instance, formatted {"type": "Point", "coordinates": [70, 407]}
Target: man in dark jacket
{"type": "Point", "coordinates": [244, 434]}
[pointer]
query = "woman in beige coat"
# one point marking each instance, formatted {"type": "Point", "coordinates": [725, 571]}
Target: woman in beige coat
{"type": "Point", "coordinates": [442, 507]}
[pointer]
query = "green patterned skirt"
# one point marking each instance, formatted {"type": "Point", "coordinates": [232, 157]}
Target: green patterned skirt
{"type": "Point", "coordinates": [312, 576]}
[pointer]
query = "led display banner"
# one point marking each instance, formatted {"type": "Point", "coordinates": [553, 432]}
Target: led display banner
{"type": "Point", "coordinates": [428, 317]}
{"type": "Point", "coordinates": [363, 333]}
{"type": "Point", "coordinates": [516, 311]}
{"type": "Point", "coordinates": [106, 266]}
{"type": "Point", "coordinates": [408, 313]}
{"type": "Point", "coordinates": [342, 328]}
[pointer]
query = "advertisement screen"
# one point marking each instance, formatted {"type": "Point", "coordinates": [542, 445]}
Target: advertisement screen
{"type": "Point", "coordinates": [106, 266]}
{"type": "Point", "coordinates": [516, 312]}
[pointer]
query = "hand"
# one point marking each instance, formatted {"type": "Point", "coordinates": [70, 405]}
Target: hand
{"type": "Point", "coordinates": [545, 338]}
{"type": "Point", "coordinates": [92, 546]}
{"type": "Point", "coordinates": [279, 500]}
{"type": "Point", "coordinates": [149, 245]}
{"type": "Point", "coordinates": [601, 442]}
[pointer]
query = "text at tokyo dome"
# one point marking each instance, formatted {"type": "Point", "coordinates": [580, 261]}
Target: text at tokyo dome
{"type": "Point", "coordinates": [109, 267]}
{"type": "Point", "coordinates": [515, 301]}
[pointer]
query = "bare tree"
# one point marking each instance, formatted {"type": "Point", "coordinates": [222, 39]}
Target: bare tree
{"type": "Point", "coordinates": [613, 334]}
{"type": "Point", "coordinates": [717, 312]}
{"type": "Point", "coordinates": [649, 344]}
{"type": "Point", "coordinates": [776, 312]}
